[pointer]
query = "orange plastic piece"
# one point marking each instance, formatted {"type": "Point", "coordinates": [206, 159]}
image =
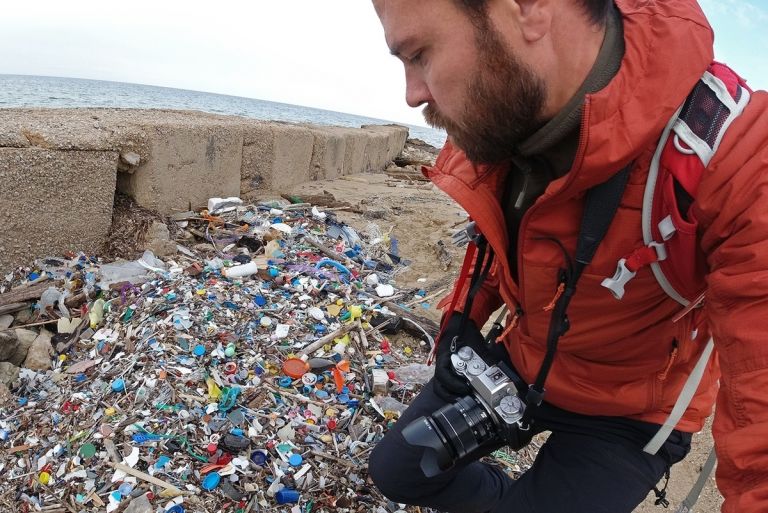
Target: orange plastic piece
{"type": "Point", "coordinates": [295, 368]}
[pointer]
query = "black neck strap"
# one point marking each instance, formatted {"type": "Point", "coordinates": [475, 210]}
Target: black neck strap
{"type": "Point", "coordinates": [600, 208]}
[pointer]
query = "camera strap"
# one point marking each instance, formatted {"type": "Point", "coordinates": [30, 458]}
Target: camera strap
{"type": "Point", "coordinates": [602, 202]}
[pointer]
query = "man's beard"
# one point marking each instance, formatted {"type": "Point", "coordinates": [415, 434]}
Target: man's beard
{"type": "Point", "coordinates": [504, 104]}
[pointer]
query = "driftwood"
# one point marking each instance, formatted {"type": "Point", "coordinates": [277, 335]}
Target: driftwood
{"type": "Point", "coordinates": [321, 200]}
{"type": "Point", "coordinates": [26, 293]}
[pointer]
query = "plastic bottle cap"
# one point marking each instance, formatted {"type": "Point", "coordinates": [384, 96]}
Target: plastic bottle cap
{"type": "Point", "coordinates": [177, 508]}
{"type": "Point", "coordinates": [295, 460]}
{"type": "Point", "coordinates": [229, 352]}
{"type": "Point", "coordinates": [199, 350]}
{"type": "Point", "coordinates": [295, 367]}
{"type": "Point", "coordinates": [212, 448]}
{"type": "Point", "coordinates": [211, 481]}
{"type": "Point", "coordinates": [118, 385]}
{"type": "Point", "coordinates": [44, 478]}
{"type": "Point", "coordinates": [88, 451]}
{"type": "Point", "coordinates": [259, 457]}
{"type": "Point", "coordinates": [125, 489]}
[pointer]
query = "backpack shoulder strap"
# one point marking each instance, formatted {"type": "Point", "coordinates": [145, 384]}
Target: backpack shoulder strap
{"type": "Point", "coordinates": [686, 147]}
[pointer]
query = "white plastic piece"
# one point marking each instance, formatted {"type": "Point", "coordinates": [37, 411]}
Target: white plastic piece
{"type": "Point", "coordinates": [620, 278]}
{"type": "Point", "coordinates": [220, 205]}
{"type": "Point", "coordinates": [241, 271]}
{"type": "Point", "coordinates": [384, 290]}
{"type": "Point", "coordinates": [667, 228]}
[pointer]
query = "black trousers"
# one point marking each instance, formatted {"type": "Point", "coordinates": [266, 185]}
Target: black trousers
{"type": "Point", "coordinates": [587, 465]}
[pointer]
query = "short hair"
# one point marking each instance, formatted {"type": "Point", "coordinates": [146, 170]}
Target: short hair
{"type": "Point", "coordinates": [595, 10]}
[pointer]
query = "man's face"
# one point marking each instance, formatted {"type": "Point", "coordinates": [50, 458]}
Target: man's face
{"type": "Point", "coordinates": [472, 84]}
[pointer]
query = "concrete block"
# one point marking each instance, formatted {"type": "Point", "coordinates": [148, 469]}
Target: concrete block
{"type": "Point", "coordinates": [54, 201]}
{"type": "Point", "coordinates": [327, 153]}
{"type": "Point", "coordinates": [187, 164]}
{"type": "Point", "coordinates": [355, 142]}
{"type": "Point", "coordinates": [275, 157]}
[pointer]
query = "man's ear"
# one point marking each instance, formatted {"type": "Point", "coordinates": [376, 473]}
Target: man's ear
{"type": "Point", "coordinates": [533, 17]}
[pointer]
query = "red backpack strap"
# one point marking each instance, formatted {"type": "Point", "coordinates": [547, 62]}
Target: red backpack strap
{"type": "Point", "coordinates": [687, 145]}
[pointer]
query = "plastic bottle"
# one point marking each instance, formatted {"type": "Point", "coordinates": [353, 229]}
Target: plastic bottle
{"type": "Point", "coordinates": [241, 271]}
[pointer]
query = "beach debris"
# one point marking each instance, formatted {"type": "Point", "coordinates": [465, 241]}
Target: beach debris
{"type": "Point", "coordinates": [253, 369]}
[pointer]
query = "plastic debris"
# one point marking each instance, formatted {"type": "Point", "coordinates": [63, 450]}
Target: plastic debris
{"type": "Point", "coordinates": [254, 371]}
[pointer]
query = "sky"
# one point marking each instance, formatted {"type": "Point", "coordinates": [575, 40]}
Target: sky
{"type": "Point", "coordinates": [327, 54]}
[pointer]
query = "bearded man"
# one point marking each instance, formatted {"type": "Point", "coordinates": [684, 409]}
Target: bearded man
{"type": "Point", "coordinates": [543, 102]}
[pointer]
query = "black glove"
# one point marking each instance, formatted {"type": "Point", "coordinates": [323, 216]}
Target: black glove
{"type": "Point", "coordinates": [448, 383]}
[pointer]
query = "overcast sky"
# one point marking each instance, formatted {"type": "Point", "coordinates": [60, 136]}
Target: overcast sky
{"type": "Point", "coordinates": [320, 53]}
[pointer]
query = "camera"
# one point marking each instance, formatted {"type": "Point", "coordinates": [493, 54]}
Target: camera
{"type": "Point", "coordinates": [489, 416]}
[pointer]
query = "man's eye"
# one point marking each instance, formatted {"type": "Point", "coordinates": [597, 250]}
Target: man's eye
{"type": "Point", "coordinates": [416, 58]}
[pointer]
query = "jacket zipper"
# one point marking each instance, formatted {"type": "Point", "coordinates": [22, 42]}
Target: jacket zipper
{"type": "Point", "coordinates": [526, 217]}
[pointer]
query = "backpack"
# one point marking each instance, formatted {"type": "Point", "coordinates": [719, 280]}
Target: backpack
{"type": "Point", "coordinates": [687, 145]}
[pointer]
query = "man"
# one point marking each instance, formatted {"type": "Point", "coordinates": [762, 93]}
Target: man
{"type": "Point", "coordinates": [543, 100]}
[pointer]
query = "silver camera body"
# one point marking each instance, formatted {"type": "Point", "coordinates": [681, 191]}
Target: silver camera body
{"type": "Point", "coordinates": [493, 388]}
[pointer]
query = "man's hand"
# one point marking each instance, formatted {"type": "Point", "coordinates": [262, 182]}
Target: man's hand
{"type": "Point", "coordinates": [448, 383]}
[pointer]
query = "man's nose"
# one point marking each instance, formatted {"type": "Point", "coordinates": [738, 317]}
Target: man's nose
{"type": "Point", "coordinates": [416, 89]}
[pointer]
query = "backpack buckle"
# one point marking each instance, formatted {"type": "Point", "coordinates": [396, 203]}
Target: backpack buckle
{"type": "Point", "coordinates": [466, 234]}
{"type": "Point", "coordinates": [619, 279]}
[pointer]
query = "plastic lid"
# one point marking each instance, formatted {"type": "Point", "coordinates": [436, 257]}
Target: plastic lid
{"type": "Point", "coordinates": [259, 457]}
{"type": "Point", "coordinates": [88, 451]}
{"type": "Point", "coordinates": [118, 385]}
{"type": "Point", "coordinates": [211, 481]}
{"type": "Point", "coordinates": [199, 350]}
{"type": "Point", "coordinates": [295, 367]}
{"type": "Point", "coordinates": [295, 460]}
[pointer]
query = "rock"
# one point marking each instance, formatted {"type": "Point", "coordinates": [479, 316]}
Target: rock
{"type": "Point", "coordinates": [26, 337]}
{"type": "Point", "coordinates": [131, 158]}
{"type": "Point", "coordinates": [159, 240]}
{"type": "Point", "coordinates": [8, 373]}
{"type": "Point", "coordinates": [5, 394]}
{"type": "Point", "coordinates": [9, 343]}
{"type": "Point", "coordinates": [140, 504]}
{"type": "Point", "coordinates": [39, 356]}
{"type": "Point", "coordinates": [5, 321]}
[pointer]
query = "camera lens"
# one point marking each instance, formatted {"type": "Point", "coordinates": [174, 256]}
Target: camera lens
{"type": "Point", "coordinates": [450, 433]}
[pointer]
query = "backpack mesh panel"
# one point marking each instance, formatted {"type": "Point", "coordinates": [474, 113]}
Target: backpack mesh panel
{"type": "Point", "coordinates": [704, 114]}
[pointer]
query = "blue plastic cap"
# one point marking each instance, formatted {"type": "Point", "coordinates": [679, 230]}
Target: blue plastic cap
{"type": "Point", "coordinates": [286, 496]}
{"type": "Point", "coordinates": [176, 508]}
{"type": "Point", "coordinates": [295, 460]}
{"type": "Point", "coordinates": [118, 385]}
{"type": "Point", "coordinates": [199, 350]}
{"type": "Point", "coordinates": [259, 300]}
{"type": "Point", "coordinates": [211, 481]}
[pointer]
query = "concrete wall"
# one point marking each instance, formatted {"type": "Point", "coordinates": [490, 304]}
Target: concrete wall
{"type": "Point", "coordinates": [59, 168]}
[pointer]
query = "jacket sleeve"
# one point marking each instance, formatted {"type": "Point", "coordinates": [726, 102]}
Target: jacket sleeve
{"type": "Point", "coordinates": [733, 214]}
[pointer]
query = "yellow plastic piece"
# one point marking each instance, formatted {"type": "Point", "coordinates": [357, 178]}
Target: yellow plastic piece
{"type": "Point", "coordinates": [214, 392]}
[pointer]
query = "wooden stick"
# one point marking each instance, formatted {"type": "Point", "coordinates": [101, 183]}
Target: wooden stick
{"type": "Point", "coordinates": [331, 457]}
{"type": "Point", "coordinates": [297, 397]}
{"type": "Point", "coordinates": [426, 298]}
{"type": "Point", "coordinates": [146, 477]}
{"type": "Point", "coordinates": [317, 344]}
{"type": "Point", "coordinates": [329, 252]}
{"type": "Point", "coordinates": [13, 307]}
{"type": "Point", "coordinates": [41, 323]}
{"type": "Point", "coordinates": [26, 293]}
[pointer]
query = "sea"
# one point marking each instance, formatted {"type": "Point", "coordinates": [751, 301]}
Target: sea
{"type": "Point", "coordinates": [57, 92]}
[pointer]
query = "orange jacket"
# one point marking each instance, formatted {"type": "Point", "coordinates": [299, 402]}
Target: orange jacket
{"type": "Point", "coordinates": [619, 357]}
